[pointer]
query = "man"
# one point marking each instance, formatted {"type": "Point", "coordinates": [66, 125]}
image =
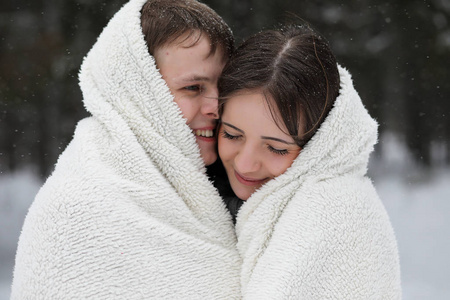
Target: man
{"type": "Point", "coordinates": [128, 212]}
{"type": "Point", "coordinates": [190, 50]}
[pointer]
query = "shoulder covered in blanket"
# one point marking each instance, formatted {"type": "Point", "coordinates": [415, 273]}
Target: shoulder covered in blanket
{"type": "Point", "coordinates": [330, 245]}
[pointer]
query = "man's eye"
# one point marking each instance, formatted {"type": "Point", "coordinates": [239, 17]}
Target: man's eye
{"type": "Point", "coordinates": [195, 88]}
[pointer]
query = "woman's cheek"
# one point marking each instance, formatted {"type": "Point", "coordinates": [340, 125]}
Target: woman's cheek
{"type": "Point", "coordinates": [222, 147]}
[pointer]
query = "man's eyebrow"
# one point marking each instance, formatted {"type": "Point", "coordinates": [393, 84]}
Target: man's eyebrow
{"type": "Point", "coordinates": [263, 137]}
{"type": "Point", "coordinates": [193, 78]}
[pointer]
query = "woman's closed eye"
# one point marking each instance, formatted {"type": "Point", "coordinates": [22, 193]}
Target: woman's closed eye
{"type": "Point", "coordinates": [277, 151]}
{"type": "Point", "coordinates": [229, 136]}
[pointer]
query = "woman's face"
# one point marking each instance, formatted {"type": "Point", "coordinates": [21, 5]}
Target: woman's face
{"type": "Point", "coordinates": [252, 147]}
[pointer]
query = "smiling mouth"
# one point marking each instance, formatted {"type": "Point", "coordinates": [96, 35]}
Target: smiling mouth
{"type": "Point", "coordinates": [249, 181]}
{"type": "Point", "coordinates": [208, 133]}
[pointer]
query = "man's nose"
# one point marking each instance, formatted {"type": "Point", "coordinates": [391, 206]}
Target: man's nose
{"type": "Point", "coordinates": [210, 104]}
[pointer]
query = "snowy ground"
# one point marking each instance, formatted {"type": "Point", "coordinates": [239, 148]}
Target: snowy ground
{"type": "Point", "coordinates": [16, 193]}
{"type": "Point", "coordinates": [417, 202]}
{"type": "Point", "coordinates": [420, 214]}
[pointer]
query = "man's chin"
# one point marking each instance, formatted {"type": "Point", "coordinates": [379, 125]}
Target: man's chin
{"type": "Point", "coordinates": [209, 158]}
{"type": "Point", "coordinates": [208, 151]}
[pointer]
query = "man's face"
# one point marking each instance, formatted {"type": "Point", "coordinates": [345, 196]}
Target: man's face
{"type": "Point", "coordinates": [191, 75]}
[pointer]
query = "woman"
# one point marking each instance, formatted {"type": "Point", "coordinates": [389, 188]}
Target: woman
{"type": "Point", "coordinates": [295, 141]}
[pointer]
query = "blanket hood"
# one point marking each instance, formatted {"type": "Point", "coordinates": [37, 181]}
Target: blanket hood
{"type": "Point", "coordinates": [319, 230]}
{"type": "Point", "coordinates": [122, 88]}
{"type": "Point", "coordinates": [346, 138]}
{"type": "Point", "coordinates": [343, 142]}
{"type": "Point", "coordinates": [125, 93]}
{"type": "Point", "coordinates": [341, 146]}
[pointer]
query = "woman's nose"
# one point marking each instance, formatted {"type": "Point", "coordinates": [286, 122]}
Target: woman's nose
{"type": "Point", "coordinates": [246, 160]}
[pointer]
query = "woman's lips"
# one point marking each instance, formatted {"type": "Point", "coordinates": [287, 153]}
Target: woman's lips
{"type": "Point", "coordinates": [249, 181]}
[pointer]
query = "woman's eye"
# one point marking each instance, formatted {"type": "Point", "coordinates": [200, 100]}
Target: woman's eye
{"type": "Point", "coordinates": [278, 151]}
{"type": "Point", "coordinates": [229, 136]}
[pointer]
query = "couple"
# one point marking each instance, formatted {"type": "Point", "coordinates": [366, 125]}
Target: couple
{"type": "Point", "coordinates": [130, 212]}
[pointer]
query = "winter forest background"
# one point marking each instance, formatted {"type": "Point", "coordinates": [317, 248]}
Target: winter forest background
{"type": "Point", "coordinates": [398, 53]}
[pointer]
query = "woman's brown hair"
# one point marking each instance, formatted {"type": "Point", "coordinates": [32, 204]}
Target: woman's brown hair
{"type": "Point", "coordinates": [295, 68]}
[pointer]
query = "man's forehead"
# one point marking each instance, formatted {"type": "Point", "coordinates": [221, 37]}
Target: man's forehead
{"type": "Point", "coordinates": [193, 77]}
{"type": "Point", "coordinates": [191, 39]}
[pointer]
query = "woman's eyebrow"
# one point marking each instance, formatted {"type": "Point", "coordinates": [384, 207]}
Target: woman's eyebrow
{"type": "Point", "coordinates": [263, 137]}
{"type": "Point", "coordinates": [232, 126]}
{"type": "Point", "coordinates": [277, 140]}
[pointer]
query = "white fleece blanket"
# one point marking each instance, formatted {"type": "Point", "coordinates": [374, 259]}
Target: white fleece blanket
{"type": "Point", "coordinates": [319, 231]}
{"type": "Point", "coordinates": [128, 212]}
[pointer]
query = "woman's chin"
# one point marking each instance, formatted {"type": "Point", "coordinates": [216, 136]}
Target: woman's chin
{"type": "Point", "coordinates": [243, 193]}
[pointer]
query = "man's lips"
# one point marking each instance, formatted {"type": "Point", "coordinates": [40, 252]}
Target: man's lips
{"type": "Point", "coordinates": [249, 181]}
{"type": "Point", "coordinates": [205, 134]}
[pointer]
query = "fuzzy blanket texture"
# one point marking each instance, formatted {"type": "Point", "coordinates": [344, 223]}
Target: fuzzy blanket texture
{"type": "Point", "coordinates": [128, 212]}
{"type": "Point", "coordinates": [319, 231]}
